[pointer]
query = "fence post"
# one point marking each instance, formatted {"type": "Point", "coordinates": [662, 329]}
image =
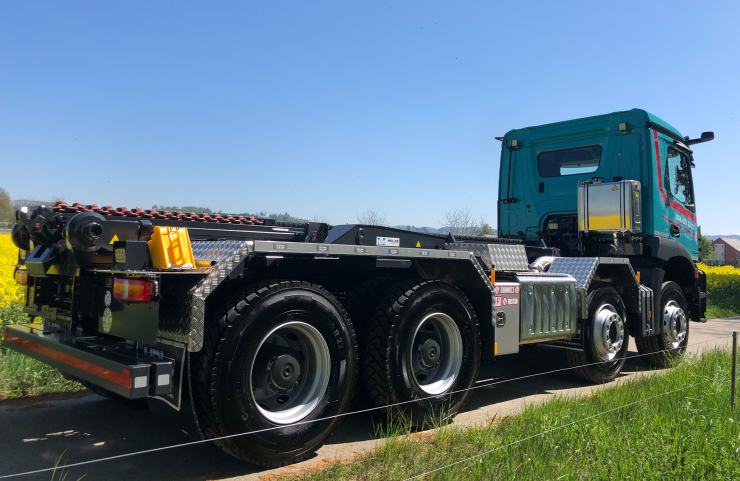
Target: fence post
{"type": "Point", "coordinates": [734, 368]}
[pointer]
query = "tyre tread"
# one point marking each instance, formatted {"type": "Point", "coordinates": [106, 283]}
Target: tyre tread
{"type": "Point", "coordinates": [207, 362]}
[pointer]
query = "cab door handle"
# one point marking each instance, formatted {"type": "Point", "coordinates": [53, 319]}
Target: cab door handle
{"type": "Point", "coordinates": [674, 231]}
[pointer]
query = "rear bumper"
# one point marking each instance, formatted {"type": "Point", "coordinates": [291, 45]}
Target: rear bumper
{"type": "Point", "coordinates": [112, 367]}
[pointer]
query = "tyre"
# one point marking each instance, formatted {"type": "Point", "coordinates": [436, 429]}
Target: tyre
{"type": "Point", "coordinates": [605, 338]}
{"type": "Point", "coordinates": [275, 354]}
{"type": "Point", "coordinates": [670, 343]}
{"type": "Point", "coordinates": [364, 298]}
{"type": "Point", "coordinates": [422, 349]}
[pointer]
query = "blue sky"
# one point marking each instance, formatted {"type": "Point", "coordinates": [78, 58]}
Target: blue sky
{"type": "Point", "coordinates": [331, 108]}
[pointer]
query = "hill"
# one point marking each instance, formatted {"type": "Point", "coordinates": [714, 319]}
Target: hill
{"type": "Point", "coordinates": [726, 236]}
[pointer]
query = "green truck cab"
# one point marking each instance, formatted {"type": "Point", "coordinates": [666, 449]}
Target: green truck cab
{"type": "Point", "coordinates": [543, 167]}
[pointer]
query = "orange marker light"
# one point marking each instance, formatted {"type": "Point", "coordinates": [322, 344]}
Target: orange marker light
{"type": "Point", "coordinates": [638, 276]}
{"type": "Point", "coordinates": [21, 277]}
{"type": "Point", "coordinates": [493, 276]}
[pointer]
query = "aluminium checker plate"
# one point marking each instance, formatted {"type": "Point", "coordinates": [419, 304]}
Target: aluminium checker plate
{"type": "Point", "coordinates": [228, 262]}
{"type": "Point", "coordinates": [584, 268]}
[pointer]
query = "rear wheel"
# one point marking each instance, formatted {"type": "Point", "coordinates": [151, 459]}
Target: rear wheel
{"type": "Point", "coordinates": [421, 348]}
{"type": "Point", "coordinates": [673, 335]}
{"type": "Point", "coordinates": [606, 339]}
{"type": "Point", "coordinates": [361, 302]}
{"type": "Point", "coordinates": [275, 355]}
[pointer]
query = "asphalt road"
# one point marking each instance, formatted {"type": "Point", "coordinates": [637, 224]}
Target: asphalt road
{"type": "Point", "coordinates": [35, 434]}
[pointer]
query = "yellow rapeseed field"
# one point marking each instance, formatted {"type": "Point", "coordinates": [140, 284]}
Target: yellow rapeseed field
{"type": "Point", "coordinates": [723, 286]}
{"type": "Point", "coordinates": [9, 290]}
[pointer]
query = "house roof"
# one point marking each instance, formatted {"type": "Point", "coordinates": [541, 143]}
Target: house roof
{"type": "Point", "coordinates": [734, 243]}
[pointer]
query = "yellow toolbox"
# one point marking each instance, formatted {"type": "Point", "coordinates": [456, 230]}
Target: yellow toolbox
{"type": "Point", "coordinates": [170, 248]}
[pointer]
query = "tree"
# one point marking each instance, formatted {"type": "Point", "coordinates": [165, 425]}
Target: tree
{"type": "Point", "coordinates": [6, 207]}
{"type": "Point", "coordinates": [706, 251]}
{"type": "Point", "coordinates": [372, 217]}
{"type": "Point", "coordinates": [484, 229]}
{"type": "Point", "coordinates": [320, 218]}
{"type": "Point", "coordinates": [462, 221]}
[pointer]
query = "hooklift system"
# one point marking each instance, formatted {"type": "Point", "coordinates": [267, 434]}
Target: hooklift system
{"type": "Point", "coordinates": [256, 325]}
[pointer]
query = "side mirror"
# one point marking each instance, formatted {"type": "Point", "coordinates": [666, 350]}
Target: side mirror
{"type": "Point", "coordinates": [705, 137]}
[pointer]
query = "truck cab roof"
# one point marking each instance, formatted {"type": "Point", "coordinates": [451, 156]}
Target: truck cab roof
{"type": "Point", "coordinates": [633, 116]}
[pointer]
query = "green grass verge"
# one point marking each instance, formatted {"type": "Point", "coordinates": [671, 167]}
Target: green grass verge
{"type": "Point", "coordinates": [23, 376]}
{"type": "Point", "coordinates": [715, 312]}
{"type": "Point", "coordinates": [691, 434]}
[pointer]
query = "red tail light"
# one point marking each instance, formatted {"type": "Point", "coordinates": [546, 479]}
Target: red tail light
{"type": "Point", "coordinates": [134, 290]}
{"type": "Point", "coordinates": [21, 277]}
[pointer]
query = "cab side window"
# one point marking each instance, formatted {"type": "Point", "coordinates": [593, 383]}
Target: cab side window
{"type": "Point", "coordinates": [677, 176]}
{"type": "Point", "coordinates": [558, 163]}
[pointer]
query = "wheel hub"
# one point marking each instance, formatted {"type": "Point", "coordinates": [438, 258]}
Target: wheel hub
{"type": "Point", "coordinates": [436, 353]}
{"type": "Point", "coordinates": [429, 353]}
{"type": "Point", "coordinates": [290, 372]}
{"type": "Point", "coordinates": [608, 332]}
{"type": "Point", "coordinates": [284, 372]}
{"type": "Point", "coordinates": [674, 324]}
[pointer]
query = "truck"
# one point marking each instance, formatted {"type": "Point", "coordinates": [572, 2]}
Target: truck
{"type": "Point", "coordinates": [263, 332]}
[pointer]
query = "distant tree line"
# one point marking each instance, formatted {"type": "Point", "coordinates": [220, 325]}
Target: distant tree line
{"type": "Point", "coordinates": [8, 206]}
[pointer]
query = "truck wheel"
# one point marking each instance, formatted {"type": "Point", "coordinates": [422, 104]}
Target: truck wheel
{"type": "Point", "coordinates": [606, 338]}
{"type": "Point", "coordinates": [275, 354]}
{"type": "Point", "coordinates": [422, 346]}
{"type": "Point", "coordinates": [364, 298]}
{"type": "Point", "coordinates": [671, 341]}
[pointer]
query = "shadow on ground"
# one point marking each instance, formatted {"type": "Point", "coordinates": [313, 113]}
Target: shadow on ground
{"type": "Point", "coordinates": [90, 427]}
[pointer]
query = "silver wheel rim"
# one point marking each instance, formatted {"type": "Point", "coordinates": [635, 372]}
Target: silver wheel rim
{"type": "Point", "coordinates": [290, 372]}
{"type": "Point", "coordinates": [674, 324]}
{"type": "Point", "coordinates": [608, 332]}
{"type": "Point", "coordinates": [436, 353]}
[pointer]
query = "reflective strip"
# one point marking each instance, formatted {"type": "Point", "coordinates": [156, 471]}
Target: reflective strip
{"type": "Point", "coordinates": [679, 225]}
{"type": "Point", "coordinates": [120, 379]}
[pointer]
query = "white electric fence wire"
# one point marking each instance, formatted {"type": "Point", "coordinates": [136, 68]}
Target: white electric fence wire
{"type": "Point", "coordinates": [192, 443]}
{"type": "Point", "coordinates": [558, 428]}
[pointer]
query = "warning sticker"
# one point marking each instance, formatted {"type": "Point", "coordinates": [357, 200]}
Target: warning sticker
{"type": "Point", "coordinates": [505, 289]}
{"type": "Point", "coordinates": [114, 239]}
{"type": "Point", "coordinates": [500, 301]}
{"type": "Point", "coordinates": [107, 320]}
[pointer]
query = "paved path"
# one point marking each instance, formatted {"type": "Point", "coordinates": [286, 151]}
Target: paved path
{"type": "Point", "coordinates": [33, 435]}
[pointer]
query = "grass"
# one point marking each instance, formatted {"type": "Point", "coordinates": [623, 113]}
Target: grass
{"type": "Point", "coordinates": [691, 434]}
{"type": "Point", "coordinates": [22, 376]}
{"type": "Point", "coordinates": [716, 312]}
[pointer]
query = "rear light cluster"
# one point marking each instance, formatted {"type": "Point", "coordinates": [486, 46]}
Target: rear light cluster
{"type": "Point", "coordinates": [134, 290]}
{"type": "Point", "coordinates": [21, 277]}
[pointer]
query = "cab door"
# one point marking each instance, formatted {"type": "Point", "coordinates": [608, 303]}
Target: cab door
{"type": "Point", "coordinates": [676, 210]}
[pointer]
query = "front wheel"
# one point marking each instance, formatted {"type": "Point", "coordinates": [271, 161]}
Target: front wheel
{"type": "Point", "coordinates": [279, 359]}
{"type": "Point", "coordinates": [673, 335]}
{"type": "Point", "coordinates": [606, 338]}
